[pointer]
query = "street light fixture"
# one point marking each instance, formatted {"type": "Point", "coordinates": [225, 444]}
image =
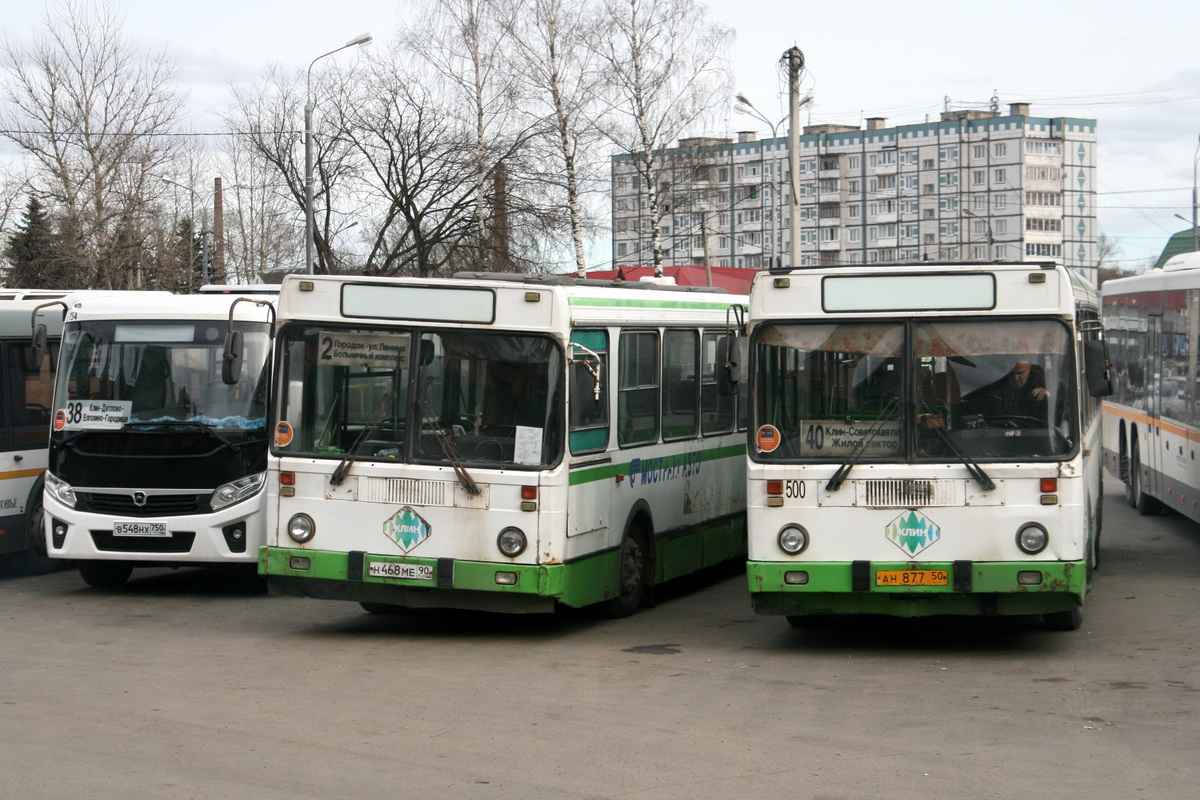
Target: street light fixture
{"type": "Point", "coordinates": [308, 152]}
{"type": "Point", "coordinates": [744, 106]}
{"type": "Point", "coordinates": [990, 239]}
{"type": "Point", "coordinates": [204, 232]}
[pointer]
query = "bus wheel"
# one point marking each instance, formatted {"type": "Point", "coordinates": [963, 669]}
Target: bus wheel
{"type": "Point", "coordinates": [105, 574]}
{"type": "Point", "coordinates": [34, 560]}
{"type": "Point", "coordinates": [1064, 620]}
{"type": "Point", "coordinates": [1146, 505]}
{"type": "Point", "coordinates": [631, 575]}
{"type": "Point", "coordinates": [385, 609]}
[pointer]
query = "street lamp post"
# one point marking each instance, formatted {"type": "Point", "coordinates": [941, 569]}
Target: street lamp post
{"type": "Point", "coordinates": [744, 106]}
{"type": "Point", "coordinates": [990, 239]}
{"type": "Point", "coordinates": [308, 153]}
{"type": "Point", "coordinates": [1195, 160]}
{"type": "Point", "coordinates": [204, 231]}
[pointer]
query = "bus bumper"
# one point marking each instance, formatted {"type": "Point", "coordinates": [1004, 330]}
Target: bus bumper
{"type": "Point", "coordinates": [229, 536]}
{"type": "Point", "coordinates": [971, 588]}
{"type": "Point", "coordinates": [427, 582]}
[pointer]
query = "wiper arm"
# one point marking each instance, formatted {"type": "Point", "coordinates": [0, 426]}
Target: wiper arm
{"type": "Point", "coordinates": [976, 471]}
{"type": "Point", "coordinates": [460, 471]}
{"type": "Point", "coordinates": [343, 467]}
{"type": "Point", "coordinates": [839, 477]}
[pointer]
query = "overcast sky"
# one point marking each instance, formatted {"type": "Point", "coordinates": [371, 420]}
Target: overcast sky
{"type": "Point", "coordinates": [1134, 67]}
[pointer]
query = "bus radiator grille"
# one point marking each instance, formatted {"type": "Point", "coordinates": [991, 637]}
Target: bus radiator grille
{"type": "Point", "coordinates": [908, 492]}
{"type": "Point", "coordinates": [405, 491]}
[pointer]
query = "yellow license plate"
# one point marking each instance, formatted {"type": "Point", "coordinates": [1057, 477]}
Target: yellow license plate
{"type": "Point", "coordinates": [912, 577]}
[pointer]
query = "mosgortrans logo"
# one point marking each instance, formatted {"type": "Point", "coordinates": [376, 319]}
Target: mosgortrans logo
{"type": "Point", "coordinates": [912, 532]}
{"type": "Point", "coordinates": [407, 529]}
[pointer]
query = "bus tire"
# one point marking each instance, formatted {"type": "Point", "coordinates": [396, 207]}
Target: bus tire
{"type": "Point", "coordinates": [1064, 620]}
{"type": "Point", "coordinates": [105, 574]}
{"type": "Point", "coordinates": [1146, 505]}
{"type": "Point", "coordinates": [632, 572]}
{"type": "Point", "coordinates": [34, 561]}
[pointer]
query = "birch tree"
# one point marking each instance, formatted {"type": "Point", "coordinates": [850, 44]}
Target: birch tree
{"type": "Point", "coordinates": [667, 71]}
{"type": "Point", "coordinates": [563, 79]}
{"type": "Point", "coordinates": [91, 113]}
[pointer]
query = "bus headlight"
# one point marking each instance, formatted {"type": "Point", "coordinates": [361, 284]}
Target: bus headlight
{"type": "Point", "coordinates": [1032, 538]}
{"type": "Point", "coordinates": [236, 491]}
{"type": "Point", "coordinates": [793, 539]}
{"type": "Point", "coordinates": [511, 542]}
{"type": "Point", "coordinates": [301, 528]}
{"type": "Point", "coordinates": [60, 491]}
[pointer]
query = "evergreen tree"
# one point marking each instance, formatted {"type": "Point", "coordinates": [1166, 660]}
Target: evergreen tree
{"type": "Point", "coordinates": [31, 250]}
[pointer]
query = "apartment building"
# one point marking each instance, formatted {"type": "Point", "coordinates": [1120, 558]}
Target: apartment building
{"type": "Point", "coordinates": [975, 185]}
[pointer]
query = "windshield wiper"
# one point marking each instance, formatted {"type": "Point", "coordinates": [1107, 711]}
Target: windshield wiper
{"type": "Point", "coordinates": [839, 477]}
{"type": "Point", "coordinates": [343, 467]}
{"type": "Point", "coordinates": [443, 438]}
{"type": "Point", "coordinates": [976, 471]}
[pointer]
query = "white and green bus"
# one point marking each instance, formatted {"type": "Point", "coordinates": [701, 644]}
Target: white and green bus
{"type": "Point", "coordinates": [924, 439]}
{"type": "Point", "coordinates": [499, 442]}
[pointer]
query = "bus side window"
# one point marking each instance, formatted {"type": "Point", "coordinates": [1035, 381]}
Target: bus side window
{"type": "Point", "coordinates": [638, 390]}
{"type": "Point", "coordinates": [589, 392]}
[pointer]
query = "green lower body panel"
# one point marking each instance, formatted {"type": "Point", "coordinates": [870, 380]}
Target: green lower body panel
{"type": "Point", "coordinates": [898, 589]}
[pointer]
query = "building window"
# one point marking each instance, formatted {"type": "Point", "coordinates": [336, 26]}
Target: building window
{"type": "Point", "coordinates": [1043, 225]}
{"type": "Point", "coordinates": [948, 229]}
{"type": "Point", "coordinates": [1043, 199]}
{"type": "Point", "coordinates": [1038, 147]}
{"type": "Point", "coordinates": [948, 179]}
{"type": "Point", "coordinates": [979, 202]}
{"type": "Point", "coordinates": [852, 163]}
{"type": "Point", "coordinates": [1000, 201]}
{"type": "Point", "coordinates": [1000, 226]}
{"type": "Point", "coordinates": [978, 176]}
{"type": "Point", "coordinates": [979, 152]}
{"type": "Point", "coordinates": [948, 154]}
{"type": "Point", "coordinates": [621, 249]}
{"type": "Point", "coordinates": [1000, 175]}
{"type": "Point", "coordinates": [1000, 149]}
{"type": "Point", "coordinates": [854, 235]}
{"type": "Point", "coordinates": [1035, 172]}
{"type": "Point", "coordinates": [1043, 250]}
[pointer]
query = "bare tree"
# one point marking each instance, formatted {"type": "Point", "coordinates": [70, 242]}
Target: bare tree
{"type": "Point", "coordinates": [564, 79]}
{"type": "Point", "coordinates": [667, 71]}
{"type": "Point", "coordinates": [266, 119]}
{"type": "Point", "coordinates": [90, 111]}
{"type": "Point", "coordinates": [466, 46]}
{"type": "Point", "coordinates": [418, 171]}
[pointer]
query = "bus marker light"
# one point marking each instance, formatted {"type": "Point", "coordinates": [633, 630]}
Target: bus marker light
{"type": "Point", "coordinates": [506, 578]}
{"type": "Point", "coordinates": [529, 493]}
{"type": "Point", "coordinates": [287, 478]}
{"type": "Point", "coordinates": [774, 487]}
{"type": "Point", "coordinates": [774, 502]}
{"type": "Point", "coordinates": [299, 563]}
{"type": "Point", "coordinates": [1049, 499]}
{"type": "Point", "coordinates": [287, 491]}
{"type": "Point", "coordinates": [528, 506]}
{"type": "Point", "coordinates": [1049, 484]}
{"type": "Point", "coordinates": [795, 578]}
{"type": "Point", "coordinates": [1029, 578]}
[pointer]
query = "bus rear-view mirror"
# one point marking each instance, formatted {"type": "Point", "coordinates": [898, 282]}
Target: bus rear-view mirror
{"type": "Point", "coordinates": [728, 375]}
{"type": "Point", "coordinates": [231, 362]}
{"type": "Point", "coordinates": [1097, 368]}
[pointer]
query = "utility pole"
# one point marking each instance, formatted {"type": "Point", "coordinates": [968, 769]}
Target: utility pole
{"type": "Point", "coordinates": [793, 60]}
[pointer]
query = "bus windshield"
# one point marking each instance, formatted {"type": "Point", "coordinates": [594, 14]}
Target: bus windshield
{"type": "Point", "coordinates": [438, 397]}
{"type": "Point", "coordinates": [929, 390]}
{"type": "Point", "coordinates": [159, 372]}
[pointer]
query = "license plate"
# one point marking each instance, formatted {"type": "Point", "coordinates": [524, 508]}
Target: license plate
{"type": "Point", "coordinates": [912, 577]}
{"type": "Point", "coordinates": [392, 569]}
{"type": "Point", "coordinates": [140, 529]}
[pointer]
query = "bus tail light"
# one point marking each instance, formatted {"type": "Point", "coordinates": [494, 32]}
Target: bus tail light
{"type": "Point", "coordinates": [1049, 484]}
{"type": "Point", "coordinates": [1032, 538]}
{"type": "Point", "coordinates": [287, 479]}
{"type": "Point", "coordinates": [774, 494]}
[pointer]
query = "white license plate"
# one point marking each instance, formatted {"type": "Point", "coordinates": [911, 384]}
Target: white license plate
{"type": "Point", "coordinates": [140, 529]}
{"type": "Point", "coordinates": [408, 572]}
